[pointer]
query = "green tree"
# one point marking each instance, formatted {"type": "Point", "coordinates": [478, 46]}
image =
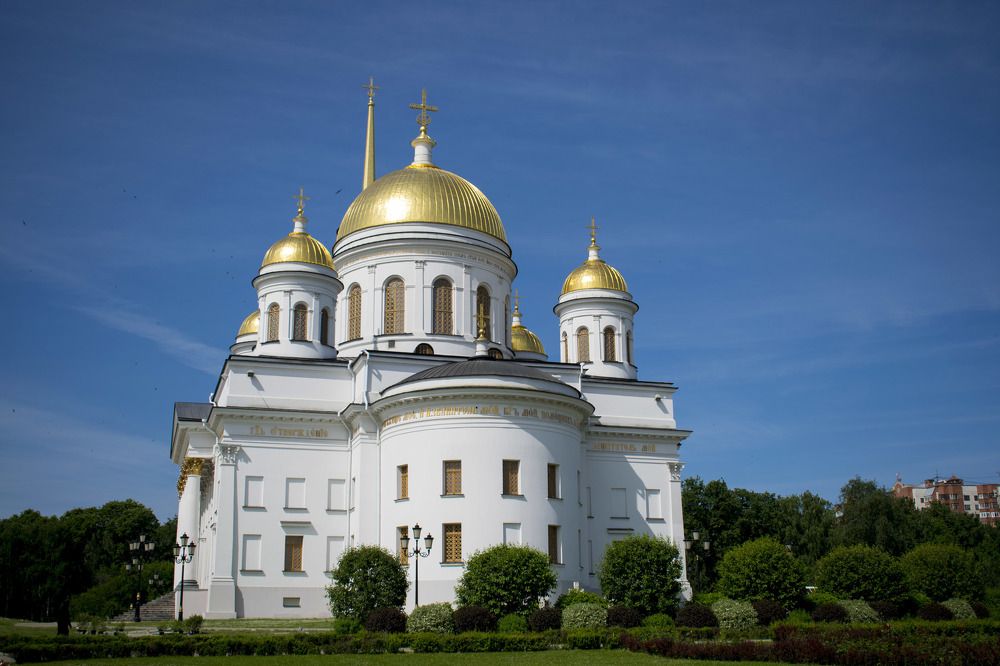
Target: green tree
{"type": "Point", "coordinates": [871, 515]}
{"type": "Point", "coordinates": [642, 572]}
{"type": "Point", "coordinates": [941, 571]}
{"type": "Point", "coordinates": [762, 569]}
{"type": "Point", "coordinates": [505, 579]}
{"type": "Point", "coordinates": [861, 572]}
{"type": "Point", "coordinates": [366, 578]}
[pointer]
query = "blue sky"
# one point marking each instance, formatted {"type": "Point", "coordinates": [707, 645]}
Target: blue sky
{"type": "Point", "coordinates": [803, 197]}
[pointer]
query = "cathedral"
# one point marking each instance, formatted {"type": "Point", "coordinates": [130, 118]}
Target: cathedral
{"type": "Point", "coordinates": [389, 393]}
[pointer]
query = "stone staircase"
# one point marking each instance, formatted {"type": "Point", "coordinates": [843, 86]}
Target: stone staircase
{"type": "Point", "coordinates": [158, 610]}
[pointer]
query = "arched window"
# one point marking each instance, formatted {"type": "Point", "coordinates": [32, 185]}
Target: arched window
{"type": "Point", "coordinates": [273, 314]}
{"type": "Point", "coordinates": [424, 349]}
{"type": "Point", "coordinates": [495, 354]}
{"type": "Point", "coordinates": [582, 345]}
{"type": "Point", "coordinates": [395, 307]}
{"type": "Point", "coordinates": [443, 323]}
{"type": "Point", "coordinates": [628, 347]}
{"type": "Point", "coordinates": [324, 327]}
{"type": "Point", "coordinates": [354, 313]}
{"type": "Point", "coordinates": [565, 348]}
{"type": "Point", "coordinates": [481, 317]}
{"type": "Point", "coordinates": [299, 322]}
{"type": "Point", "coordinates": [609, 344]}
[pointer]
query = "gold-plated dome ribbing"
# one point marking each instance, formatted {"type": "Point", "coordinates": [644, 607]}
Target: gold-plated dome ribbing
{"type": "Point", "coordinates": [422, 193]}
{"type": "Point", "coordinates": [594, 273]}
{"type": "Point", "coordinates": [298, 246]}
{"type": "Point", "coordinates": [250, 325]}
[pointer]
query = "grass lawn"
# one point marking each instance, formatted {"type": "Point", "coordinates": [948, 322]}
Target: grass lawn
{"type": "Point", "coordinates": [583, 657]}
{"type": "Point", "coordinates": [9, 627]}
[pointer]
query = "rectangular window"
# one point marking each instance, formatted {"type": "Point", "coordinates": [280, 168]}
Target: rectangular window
{"type": "Point", "coordinates": [452, 542]}
{"type": "Point", "coordinates": [334, 549]}
{"type": "Point", "coordinates": [251, 552]}
{"type": "Point", "coordinates": [253, 495]}
{"type": "Point", "coordinates": [403, 482]}
{"type": "Point", "coordinates": [511, 477]}
{"type": "Point", "coordinates": [553, 477]}
{"type": "Point", "coordinates": [295, 493]}
{"type": "Point", "coordinates": [293, 552]}
{"type": "Point", "coordinates": [554, 545]}
{"type": "Point", "coordinates": [653, 508]}
{"type": "Point", "coordinates": [619, 503]}
{"type": "Point", "coordinates": [335, 490]}
{"type": "Point", "coordinates": [404, 555]}
{"type": "Point", "coordinates": [452, 477]}
{"type": "Point", "coordinates": [512, 534]}
{"type": "Point", "coordinates": [291, 602]}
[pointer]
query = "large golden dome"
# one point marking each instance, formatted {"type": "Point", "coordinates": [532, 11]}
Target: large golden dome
{"type": "Point", "coordinates": [594, 274]}
{"type": "Point", "coordinates": [250, 325]}
{"type": "Point", "coordinates": [523, 340]}
{"type": "Point", "coordinates": [422, 193]}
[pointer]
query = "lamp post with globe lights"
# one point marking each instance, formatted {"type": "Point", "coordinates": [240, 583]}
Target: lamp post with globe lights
{"type": "Point", "coordinates": [690, 545]}
{"type": "Point", "coordinates": [404, 543]}
{"type": "Point", "coordinates": [183, 554]}
{"type": "Point", "coordinates": [137, 549]}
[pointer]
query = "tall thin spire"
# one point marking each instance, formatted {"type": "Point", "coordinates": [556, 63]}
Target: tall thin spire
{"type": "Point", "coordinates": [369, 173]}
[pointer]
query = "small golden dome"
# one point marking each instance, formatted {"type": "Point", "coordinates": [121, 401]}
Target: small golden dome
{"type": "Point", "coordinates": [523, 340]}
{"type": "Point", "coordinates": [594, 274]}
{"type": "Point", "coordinates": [298, 246]}
{"type": "Point", "coordinates": [250, 325]}
{"type": "Point", "coordinates": [422, 193]}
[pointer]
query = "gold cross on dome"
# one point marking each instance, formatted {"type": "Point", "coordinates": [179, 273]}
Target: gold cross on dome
{"type": "Point", "coordinates": [423, 119]}
{"type": "Point", "coordinates": [593, 230]}
{"type": "Point", "coordinates": [302, 198]}
{"type": "Point", "coordinates": [370, 87]}
{"type": "Point", "coordinates": [517, 301]}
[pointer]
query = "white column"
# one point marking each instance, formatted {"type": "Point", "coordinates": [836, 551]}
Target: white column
{"type": "Point", "coordinates": [419, 293]}
{"type": "Point", "coordinates": [189, 517]}
{"type": "Point", "coordinates": [222, 585]}
{"type": "Point", "coordinates": [676, 519]}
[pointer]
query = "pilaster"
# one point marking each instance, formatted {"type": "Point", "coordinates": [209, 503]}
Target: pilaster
{"type": "Point", "coordinates": [222, 584]}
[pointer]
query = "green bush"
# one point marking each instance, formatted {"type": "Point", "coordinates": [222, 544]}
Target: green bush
{"type": "Point", "coordinates": [658, 621]}
{"type": "Point", "coordinates": [622, 616]}
{"type": "Point", "coordinates": [696, 616]}
{"type": "Point", "coordinates": [861, 572]}
{"type": "Point", "coordinates": [512, 623]}
{"type": "Point", "coordinates": [859, 612]}
{"type": "Point", "coordinates": [366, 578]}
{"type": "Point", "coordinates": [642, 572]}
{"type": "Point", "coordinates": [431, 618]}
{"type": "Point", "coordinates": [506, 579]}
{"type": "Point", "coordinates": [769, 611]}
{"type": "Point", "coordinates": [941, 572]}
{"type": "Point", "coordinates": [829, 612]}
{"type": "Point", "coordinates": [388, 620]}
{"type": "Point", "coordinates": [734, 615]}
{"type": "Point", "coordinates": [474, 618]}
{"type": "Point", "coordinates": [708, 598]}
{"type": "Point", "coordinates": [571, 597]}
{"type": "Point", "coordinates": [585, 616]}
{"type": "Point", "coordinates": [349, 625]}
{"type": "Point", "coordinates": [762, 569]}
{"type": "Point", "coordinates": [545, 619]}
{"type": "Point", "coordinates": [935, 612]}
{"type": "Point", "coordinates": [192, 624]}
{"type": "Point", "coordinates": [960, 609]}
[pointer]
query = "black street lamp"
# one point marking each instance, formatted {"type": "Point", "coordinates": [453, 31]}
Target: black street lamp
{"type": "Point", "coordinates": [404, 544]}
{"type": "Point", "coordinates": [138, 548]}
{"type": "Point", "coordinates": [183, 554]}
{"type": "Point", "coordinates": [690, 547]}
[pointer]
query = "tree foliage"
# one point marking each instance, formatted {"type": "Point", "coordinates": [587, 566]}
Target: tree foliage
{"type": "Point", "coordinates": [941, 571]}
{"type": "Point", "coordinates": [762, 569]}
{"type": "Point", "coordinates": [366, 578]}
{"type": "Point", "coordinates": [861, 572]}
{"type": "Point", "coordinates": [641, 572]}
{"type": "Point", "coordinates": [506, 579]}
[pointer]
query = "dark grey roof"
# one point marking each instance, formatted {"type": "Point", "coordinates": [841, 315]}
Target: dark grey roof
{"type": "Point", "coordinates": [192, 411]}
{"type": "Point", "coordinates": [479, 367]}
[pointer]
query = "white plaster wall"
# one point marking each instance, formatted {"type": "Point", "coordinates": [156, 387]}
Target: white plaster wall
{"type": "Point", "coordinates": [595, 310]}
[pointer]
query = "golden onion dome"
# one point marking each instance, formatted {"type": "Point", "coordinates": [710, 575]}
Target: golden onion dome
{"type": "Point", "coordinates": [250, 325]}
{"type": "Point", "coordinates": [523, 340]}
{"type": "Point", "coordinates": [594, 273]}
{"type": "Point", "coordinates": [298, 246]}
{"type": "Point", "coordinates": [422, 193]}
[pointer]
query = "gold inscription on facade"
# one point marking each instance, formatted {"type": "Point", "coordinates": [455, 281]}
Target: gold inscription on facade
{"type": "Point", "coordinates": [619, 446]}
{"type": "Point", "coordinates": [314, 433]}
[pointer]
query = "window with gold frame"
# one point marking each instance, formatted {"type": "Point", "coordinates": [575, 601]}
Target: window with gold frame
{"type": "Point", "coordinates": [511, 477]}
{"type": "Point", "coordinates": [554, 545]}
{"type": "Point", "coordinates": [609, 345]}
{"type": "Point", "coordinates": [293, 553]}
{"type": "Point", "coordinates": [452, 477]}
{"type": "Point", "coordinates": [403, 482]}
{"type": "Point", "coordinates": [582, 345]}
{"type": "Point", "coordinates": [300, 322]}
{"type": "Point", "coordinates": [452, 542]}
{"type": "Point", "coordinates": [444, 323]}
{"type": "Point", "coordinates": [354, 313]}
{"type": "Point", "coordinates": [395, 307]}
{"type": "Point", "coordinates": [273, 322]}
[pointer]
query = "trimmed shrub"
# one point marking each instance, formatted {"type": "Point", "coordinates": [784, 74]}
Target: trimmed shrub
{"type": "Point", "coordinates": [708, 598]}
{"type": "Point", "coordinates": [366, 578]}
{"type": "Point", "coordinates": [762, 569]}
{"type": "Point", "coordinates": [829, 612]}
{"type": "Point", "coordinates": [887, 610]}
{"type": "Point", "coordinates": [544, 619]}
{"type": "Point", "coordinates": [192, 624]}
{"type": "Point", "coordinates": [696, 615]}
{"type": "Point", "coordinates": [621, 616]}
{"type": "Point", "coordinates": [981, 610]}
{"type": "Point", "coordinates": [348, 625]}
{"type": "Point", "coordinates": [431, 618]}
{"type": "Point", "coordinates": [941, 571]}
{"type": "Point", "coordinates": [585, 616]}
{"type": "Point", "coordinates": [571, 597]}
{"type": "Point", "coordinates": [388, 620]}
{"type": "Point", "coordinates": [935, 612]}
{"type": "Point", "coordinates": [860, 612]}
{"type": "Point", "coordinates": [768, 611]}
{"type": "Point", "coordinates": [816, 598]}
{"type": "Point", "coordinates": [960, 609]}
{"type": "Point", "coordinates": [658, 621]}
{"type": "Point", "coordinates": [506, 579]}
{"type": "Point", "coordinates": [734, 615]}
{"type": "Point", "coordinates": [512, 623]}
{"type": "Point", "coordinates": [860, 572]}
{"type": "Point", "coordinates": [474, 618]}
{"type": "Point", "coordinates": [642, 572]}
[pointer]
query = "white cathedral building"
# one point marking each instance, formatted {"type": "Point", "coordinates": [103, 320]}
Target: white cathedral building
{"type": "Point", "coordinates": [391, 383]}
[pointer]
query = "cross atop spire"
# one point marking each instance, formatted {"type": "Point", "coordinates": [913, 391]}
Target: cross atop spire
{"type": "Point", "coordinates": [423, 119]}
{"type": "Point", "coordinates": [302, 199]}
{"type": "Point", "coordinates": [371, 88]}
{"type": "Point", "coordinates": [593, 230]}
{"type": "Point", "coordinates": [517, 302]}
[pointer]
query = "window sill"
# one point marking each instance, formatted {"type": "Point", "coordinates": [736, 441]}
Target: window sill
{"type": "Point", "coordinates": [294, 573]}
{"type": "Point", "coordinates": [557, 564]}
{"type": "Point", "coordinates": [656, 520]}
{"type": "Point", "coordinates": [254, 507]}
{"type": "Point", "coordinates": [296, 509]}
{"type": "Point", "coordinates": [254, 572]}
{"type": "Point", "coordinates": [452, 564]}
{"type": "Point", "coordinates": [402, 499]}
{"type": "Point", "coordinates": [336, 510]}
{"type": "Point", "coordinates": [270, 342]}
{"type": "Point", "coordinates": [618, 517]}
{"type": "Point", "coordinates": [512, 495]}
{"type": "Point", "coordinates": [556, 498]}
{"type": "Point", "coordinates": [452, 494]}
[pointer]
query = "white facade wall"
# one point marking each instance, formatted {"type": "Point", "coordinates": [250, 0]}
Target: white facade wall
{"type": "Point", "coordinates": [597, 310]}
